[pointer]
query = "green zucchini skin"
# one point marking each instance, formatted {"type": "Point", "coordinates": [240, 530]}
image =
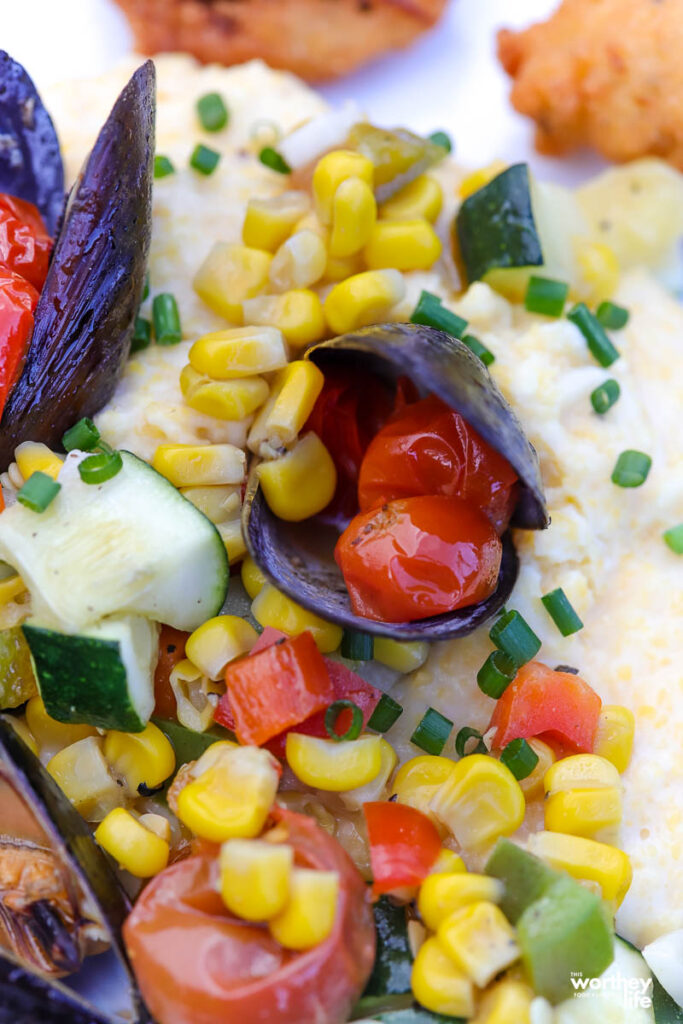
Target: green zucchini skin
{"type": "Point", "coordinates": [495, 226]}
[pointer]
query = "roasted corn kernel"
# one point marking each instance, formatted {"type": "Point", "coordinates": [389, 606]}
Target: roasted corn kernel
{"type": "Point", "coordinates": [295, 390]}
{"type": "Point", "coordinates": [585, 859]}
{"type": "Point", "coordinates": [49, 734]}
{"type": "Point", "coordinates": [299, 262]}
{"type": "Point", "coordinates": [253, 579]}
{"type": "Point", "coordinates": [219, 641]}
{"type": "Point", "coordinates": [447, 861]}
{"type": "Point", "coordinates": [191, 692]}
{"type": "Point", "coordinates": [331, 765]}
{"type": "Point", "coordinates": [599, 268]}
{"type": "Point", "coordinates": [338, 268]}
{"type": "Point", "coordinates": [354, 212]}
{"type": "Point", "coordinates": [269, 221]}
{"type": "Point", "coordinates": [375, 788]}
{"type": "Point", "coordinates": [218, 503]}
{"type": "Point", "coordinates": [255, 877]}
{"type": "Point", "coordinates": [23, 732]}
{"type": "Point", "coordinates": [308, 917]}
{"type": "Point", "coordinates": [333, 169]}
{"type": "Point", "coordinates": [300, 483]}
{"type": "Point", "coordinates": [401, 655]}
{"type": "Point", "coordinates": [34, 457]}
{"type": "Point", "coordinates": [363, 299]}
{"type": "Point", "coordinates": [438, 984]}
{"type": "Point", "coordinates": [239, 352]}
{"type": "Point", "coordinates": [583, 795]}
{"type": "Point", "coordinates": [192, 465]}
{"type": "Point", "coordinates": [441, 894]}
{"type": "Point", "coordinates": [418, 781]}
{"type": "Point", "coordinates": [136, 848]}
{"type": "Point", "coordinates": [297, 313]}
{"type": "Point", "coordinates": [508, 1002]}
{"type": "Point", "coordinates": [480, 941]}
{"type": "Point", "coordinates": [140, 758]}
{"type": "Point", "coordinates": [614, 736]}
{"type": "Point", "coordinates": [82, 773]}
{"type": "Point", "coordinates": [271, 607]}
{"type": "Point", "coordinates": [229, 275]}
{"type": "Point", "coordinates": [233, 539]}
{"type": "Point", "coordinates": [480, 801]}
{"type": "Point", "coordinates": [10, 588]}
{"type": "Point", "coordinates": [157, 824]}
{"type": "Point", "coordinates": [222, 399]}
{"type": "Point", "coordinates": [421, 198]}
{"type": "Point", "coordinates": [403, 245]}
{"type": "Point", "coordinates": [580, 771]}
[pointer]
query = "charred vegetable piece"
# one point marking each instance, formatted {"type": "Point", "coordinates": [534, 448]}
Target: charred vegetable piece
{"type": "Point", "coordinates": [30, 160]}
{"type": "Point", "coordinates": [85, 318]}
{"type": "Point", "coordinates": [17, 678]}
{"type": "Point", "coordinates": [27, 996]}
{"type": "Point", "coordinates": [399, 156]}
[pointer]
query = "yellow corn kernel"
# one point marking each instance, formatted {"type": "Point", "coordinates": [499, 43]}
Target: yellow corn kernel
{"type": "Point", "coordinates": [269, 221]}
{"type": "Point", "coordinates": [338, 268]}
{"type": "Point", "coordinates": [297, 313]}
{"type": "Point", "coordinates": [218, 641]}
{"type": "Point", "coordinates": [438, 985]}
{"type": "Point", "coordinates": [311, 223]}
{"type": "Point", "coordinates": [299, 262]}
{"type": "Point", "coordinates": [448, 861]}
{"type": "Point", "coordinates": [480, 801]}
{"type": "Point", "coordinates": [580, 771]}
{"type": "Point", "coordinates": [475, 180]}
{"type": "Point", "coordinates": [375, 789]}
{"type": "Point", "coordinates": [192, 465]}
{"type": "Point", "coordinates": [532, 785]}
{"type": "Point", "coordinates": [300, 483]}
{"type": "Point", "coordinates": [441, 894]}
{"type": "Point", "coordinates": [11, 587]}
{"type": "Point", "coordinates": [49, 734]}
{"type": "Point", "coordinates": [333, 169]}
{"type": "Point", "coordinates": [418, 781]}
{"type": "Point", "coordinates": [136, 848]}
{"type": "Point", "coordinates": [140, 758]}
{"type": "Point", "coordinates": [331, 765]}
{"type": "Point", "coordinates": [402, 244]}
{"type": "Point", "coordinates": [421, 198]}
{"type": "Point", "coordinates": [253, 579]}
{"type": "Point", "coordinates": [230, 274]}
{"type": "Point", "coordinates": [190, 689]}
{"type": "Point", "coordinates": [222, 399]}
{"type": "Point", "coordinates": [296, 389]}
{"type": "Point", "coordinates": [255, 877]}
{"type": "Point", "coordinates": [507, 1002]}
{"type": "Point", "coordinates": [599, 269]}
{"type": "Point", "coordinates": [308, 917]}
{"type": "Point", "coordinates": [586, 860]}
{"type": "Point", "coordinates": [239, 352]}
{"type": "Point", "coordinates": [363, 299]}
{"type": "Point", "coordinates": [614, 736]}
{"type": "Point", "coordinates": [157, 824]}
{"type": "Point", "coordinates": [354, 212]}
{"type": "Point", "coordinates": [271, 607]}
{"type": "Point", "coordinates": [34, 457]}
{"type": "Point", "coordinates": [233, 797]}
{"type": "Point", "coordinates": [583, 811]}
{"type": "Point", "coordinates": [233, 539]}
{"type": "Point", "coordinates": [23, 732]}
{"type": "Point", "coordinates": [401, 655]}
{"type": "Point", "coordinates": [217, 503]}
{"type": "Point", "coordinates": [82, 773]}
{"type": "Point", "coordinates": [480, 941]}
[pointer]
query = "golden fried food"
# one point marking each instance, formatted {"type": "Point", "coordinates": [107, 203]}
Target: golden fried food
{"type": "Point", "coordinates": [602, 73]}
{"type": "Point", "coordinates": [316, 39]}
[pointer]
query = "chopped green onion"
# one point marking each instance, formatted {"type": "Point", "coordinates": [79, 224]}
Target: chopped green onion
{"type": "Point", "coordinates": [466, 734]}
{"type": "Point", "coordinates": [514, 636]}
{"type": "Point", "coordinates": [674, 539]}
{"type": "Point", "coordinates": [145, 288]}
{"type": "Point", "coordinates": [604, 397]}
{"type": "Point", "coordinates": [432, 731]}
{"type": "Point", "coordinates": [386, 712]}
{"type": "Point", "coordinates": [332, 714]}
{"type": "Point", "coordinates": [546, 296]}
{"type": "Point", "coordinates": [84, 435]}
{"type": "Point", "coordinates": [442, 139]}
{"type": "Point", "coordinates": [430, 313]}
{"type": "Point", "coordinates": [163, 167]}
{"type": "Point", "coordinates": [97, 469]}
{"type": "Point", "coordinates": [519, 757]}
{"type": "Point", "coordinates": [142, 334]}
{"type": "Point", "coordinates": [212, 112]}
{"type": "Point", "coordinates": [271, 158]}
{"type": "Point", "coordinates": [558, 607]}
{"type": "Point", "coordinates": [611, 316]}
{"type": "Point", "coordinates": [496, 674]}
{"type": "Point", "coordinates": [474, 345]}
{"type": "Point", "coordinates": [599, 345]}
{"type": "Point", "coordinates": [204, 160]}
{"type": "Point", "coordinates": [631, 469]}
{"type": "Point", "coordinates": [357, 646]}
{"type": "Point", "coordinates": [166, 319]}
{"type": "Point", "coordinates": [38, 491]}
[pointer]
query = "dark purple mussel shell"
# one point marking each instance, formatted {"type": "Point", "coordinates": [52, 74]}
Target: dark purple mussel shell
{"type": "Point", "coordinates": [298, 557]}
{"type": "Point", "coordinates": [28, 997]}
{"type": "Point", "coordinates": [30, 158]}
{"type": "Point", "coordinates": [85, 317]}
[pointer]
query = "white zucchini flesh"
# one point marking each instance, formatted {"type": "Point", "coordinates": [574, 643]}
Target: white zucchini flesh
{"type": "Point", "coordinates": [664, 957]}
{"type": "Point", "coordinates": [624, 987]}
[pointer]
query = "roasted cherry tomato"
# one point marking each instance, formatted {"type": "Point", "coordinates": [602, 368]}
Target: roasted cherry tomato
{"type": "Point", "coordinates": [24, 242]}
{"type": "Point", "coordinates": [171, 651]}
{"type": "Point", "coordinates": [198, 964]}
{"type": "Point", "coordinates": [18, 300]}
{"type": "Point", "coordinates": [404, 844]}
{"type": "Point", "coordinates": [418, 557]}
{"type": "Point", "coordinates": [430, 449]}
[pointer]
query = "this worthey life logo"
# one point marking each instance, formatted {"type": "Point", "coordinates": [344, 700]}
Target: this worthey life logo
{"type": "Point", "coordinates": [633, 993]}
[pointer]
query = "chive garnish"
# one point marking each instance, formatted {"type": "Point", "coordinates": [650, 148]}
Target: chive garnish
{"type": "Point", "coordinates": [611, 316]}
{"type": "Point", "coordinates": [166, 319]}
{"type": "Point", "coordinates": [142, 334]}
{"type": "Point", "coordinates": [466, 734]}
{"type": "Point", "coordinates": [512, 634]}
{"type": "Point", "coordinates": [387, 711]}
{"type": "Point", "coordinates": [84, 435]}
{"type": "Point", "coordinates": [604, 397]}
{"type": "Point", "coordinates": [357, 646]}
{"type": "Point", "coordinates": [599, 345]}
{"type": "Point", "coordinates": [271, 158]}
{"type": "Point", "coordinates": [631, 469]}
{"type": "Point", "coordinates": [519, 757]}
{"type": "Point", "coordinates": [163, 167]}
{"type": "Point", "coordinates": [432, 731]}
{"type": "Point", "coordinates": [442, 139]}
{"type": "Point", "coordinates": [212, 112]}
{"type": "Point", "coordinates": [496, 674]}
{"type": "Point", "coordinates": [332, 714]}
{"type": "Point", "coordinates": [559, 608]}
{"type": "Point", "coordinates": [38, 491]}
{"type": "Point", "coordinates": [430, 313]}
{"type": "Point", "coordinates": [478, 348]}
{"type": "Point", "coordinates": [97, 469]}
{"type": "Point", "coordinates": [204, 160]}
{"type": "Point", "coordinates": [546, 296]}
{"type": "Point", "coordinates": [673, 538]}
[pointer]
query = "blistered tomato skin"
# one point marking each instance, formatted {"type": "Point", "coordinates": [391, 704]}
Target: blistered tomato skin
{"type": "Point", "coordinates": [198, 964]}
{"type": "Point", "coordinates": [24, 242]}
{"type": "Point", "coordinates": [430, 449]}
{"type": "Point", "coordinates": [418, 557]}
{"type": "Point", "coordinates": [18, 300]}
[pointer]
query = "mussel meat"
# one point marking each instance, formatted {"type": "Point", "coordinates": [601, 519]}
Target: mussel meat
{"type": "Point", "coordinates": [298, 557]}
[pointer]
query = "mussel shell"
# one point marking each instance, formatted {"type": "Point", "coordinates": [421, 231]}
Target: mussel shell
{"type": "Point", "coordinates": [85, 316]}
{"type": "Point", "coordinates": [298, 557]}
{"type": "Point", "coordinates": [27, 997]}
{"type": "Point", "coordinates": [30, 159]}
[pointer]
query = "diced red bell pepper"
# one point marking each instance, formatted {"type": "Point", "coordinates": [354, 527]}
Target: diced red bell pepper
{"type": "Point", "coordinates": [279, 687]}
{"type": "Point", "coordinates": [171, 651]}
{"type": "Point", "coordinates": [268, 637]}
{"type": "Point", "coordinates": [558, 707]}
{"type": "Point", "coordinates": [404, 845]}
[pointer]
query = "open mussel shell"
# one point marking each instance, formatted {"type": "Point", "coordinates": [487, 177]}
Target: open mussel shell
{"type": "Point", "coordinates": [298, 557]}
{"type": "Point", "coordinates": [28, 997]}
{"type": "Point", "coordinates": [86, 313]}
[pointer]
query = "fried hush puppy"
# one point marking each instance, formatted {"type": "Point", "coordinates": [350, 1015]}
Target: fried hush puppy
{"type": "Point", "coordinates": [602, 73]}
{"type": "Point", "coordinates": [316, 39]}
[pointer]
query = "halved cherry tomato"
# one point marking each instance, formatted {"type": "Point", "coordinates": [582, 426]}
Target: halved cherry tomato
{"type": "Point", "coordinates": [404, 844]}
{"type": "Point", "coordinates": [24, 242]}
{"type": "Point", "coordinates": [171, 651]}
{"type": "Point", "coordinates": [430, 449]}
{"type": "Point", "coordinates": [18, 300]}
{"type": "Point", "coordinates": [418, 557]}
{"type": "Point", "coordinates": [198, 964]}
{"type": "Point", "coordinates": [558, 707]}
